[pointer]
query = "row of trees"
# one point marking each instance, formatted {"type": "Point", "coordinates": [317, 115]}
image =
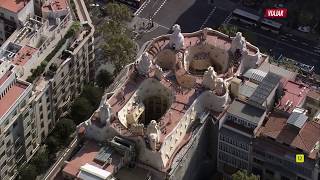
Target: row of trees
{"type": "Point", "coordinates": [118, 46]}
{"type": "Point", "coordinates": [83, 107]}
{"type": "Point", "coordinates": [60, 137]}
{"type": "Point", "coordinates": [46, 155]}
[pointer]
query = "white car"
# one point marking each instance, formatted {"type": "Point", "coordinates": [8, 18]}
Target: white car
{"type": "Point", "coordinates": [305, 29]}
{"type": "Point", "coordinates": [94, 5]}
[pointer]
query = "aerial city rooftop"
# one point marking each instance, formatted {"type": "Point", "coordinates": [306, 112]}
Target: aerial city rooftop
{"type": "Point", "coordinates": [190, 106]}
{"type": "Point", "coordinates": [180, 84]}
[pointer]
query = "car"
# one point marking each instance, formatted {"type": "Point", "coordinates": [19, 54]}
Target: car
{"type": "Point", "coordinates": [94, 5]}
{"type": "Point", "coordinates": [305, 29]}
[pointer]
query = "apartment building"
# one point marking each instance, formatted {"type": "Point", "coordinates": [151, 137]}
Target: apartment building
{"type": "Point", "coordinates": [16, 118]}
{"type": "Point", "coordinates": [269, 148]}
{"type": "Point", "coordinates": [278, 142]}
{"type": "Point", "coordinates": [13, 15]}
{"type": "Point", "coordinates": [236, 135]}
{"type": "Point", "coordinates": [43, 67]}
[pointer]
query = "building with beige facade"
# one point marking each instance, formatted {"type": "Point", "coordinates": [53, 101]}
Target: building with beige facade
{"type": "Point", "coordinates": [43, 68]}
{"type": "Point", "coordinates": [164, 102]}
{"type": "Point", "coordinates": [194, 105]}
{"type": "Point", "coordinates": [13, 15]}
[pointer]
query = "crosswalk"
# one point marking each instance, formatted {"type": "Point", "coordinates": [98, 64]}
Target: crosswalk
{"type": "Point", "coordinates": [227, 20]}
{"type": "Point", "coordinates": [155, 13]}
{"type": "Point", "coordinates": [142, 7]}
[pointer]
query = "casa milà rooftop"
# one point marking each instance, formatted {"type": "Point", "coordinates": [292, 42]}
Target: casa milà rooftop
{"type": "Point", "coordinates": [177, 81]}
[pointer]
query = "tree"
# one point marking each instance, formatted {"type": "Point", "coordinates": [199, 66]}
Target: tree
{"type": "Point", "coordinates": [81, 110]}
{"type": "Point", "coordinates": [118, 12]}
{"type": "Point", "coordinates": [111, 28]}
{"type": "Point", "coordinates": [244, 175]}
{"type": "Point", "coordinates": [120, 50]}
{"type": "Point", "coordinates": [28, 172]}
{"type": "Point", "coordinates": [52, 144]}
{"type": "Point", "coordinates": [119, 47]}
{"type": "Point", "coordinates": [104, 78]}
{"type": "Point", "coordinates": [75, 27]}
{"type": "Point", "coordinates": [93, 95]}
{"type": "Point", "coordinates": [64, 128]}
{"type": "Point", "coordinates": [229, 30]}
{"type": "Point", "coordinates": [41, 160]}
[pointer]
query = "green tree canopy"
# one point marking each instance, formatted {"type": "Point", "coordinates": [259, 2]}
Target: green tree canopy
{"type": "Point", "coordinates": [53, 144]}
{"type": "Point", "coordinates": [229, 30]}
{"type": "Point", "coordinates": [41, 160]}
{"type": "Point", "coordinates": [64, 128]}
{"type": "Point", "coordinates": [120, 50]}
{"type": "Point", "coordinates": [118, 12]}
{"type": "Point", "coordinates": [104, 78]}
{"type": "Point", "coordinates": [81, 110]}
{"type": "Point", "coordinates": [244, 175]}
{"type": "Point", "coordinates": [28, 172]}
{"type": "Point", "coordinates": [93, 95]}
{"type": "Point", "coordinates": [119, 47]}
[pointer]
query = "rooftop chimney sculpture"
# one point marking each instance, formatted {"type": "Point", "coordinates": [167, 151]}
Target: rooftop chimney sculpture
{"type": "Point", "coordinates": [238, 43]}
{"type": "Point", "coordinates": [176, 38]}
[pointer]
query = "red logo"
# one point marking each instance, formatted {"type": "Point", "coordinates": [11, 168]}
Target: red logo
{"type": "Point", "coordinates": [276, 13]}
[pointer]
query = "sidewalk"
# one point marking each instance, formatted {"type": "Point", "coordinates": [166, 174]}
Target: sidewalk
{"type": "Point", "coordinates": [142, 25]}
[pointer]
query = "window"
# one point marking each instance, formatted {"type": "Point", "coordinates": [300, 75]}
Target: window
{"type": "Point", "coordinates": [8, 132]}
{"type": "Point", "coordinates": [257, 161]}
{"type": "Point", "coordinates": [26, 115]}
{"type": "Point", "coordinates": [42, 124]}
{"type": "Point", "coordinates": [43, 136]}
{"type": "Point", "coordinates": [14, 124]}
{"type": "Point", "coordinates": [4, 164]}
{"type": "Point", "coordinates": [8, 143]}
{"type": "Point", "coordinates": [11, 18]}
{"type": "Point", "coordinates": [49, 115]}
{"type": "Point", "coordinates": [271, 173]}
{"type": "Point", "coordinates": [2, 154]}
{"type": "Point", "coordinates": [28, 134]}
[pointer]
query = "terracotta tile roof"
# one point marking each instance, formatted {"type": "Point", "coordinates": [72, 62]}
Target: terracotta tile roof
{"type": "Point", "coordinates": [11, 96]}
{"type": "Point", "coordinates": [277, 128]}
{"type": "Point", "coordinates": [5, 76]}
{"type": "Point", "coordinates": [55, 5]}
{"type": "Point", "coordinates": [293, 92]}
{"type": "Point", "coordinates": [87, 154]}
{"type": "Point", "coordinates": [13, 5]}
{"type": "Point", "coordinates": [23, 55]}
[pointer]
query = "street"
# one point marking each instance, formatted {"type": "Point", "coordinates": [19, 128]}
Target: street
{"type": "Point", "coordinates": [196, 14]}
